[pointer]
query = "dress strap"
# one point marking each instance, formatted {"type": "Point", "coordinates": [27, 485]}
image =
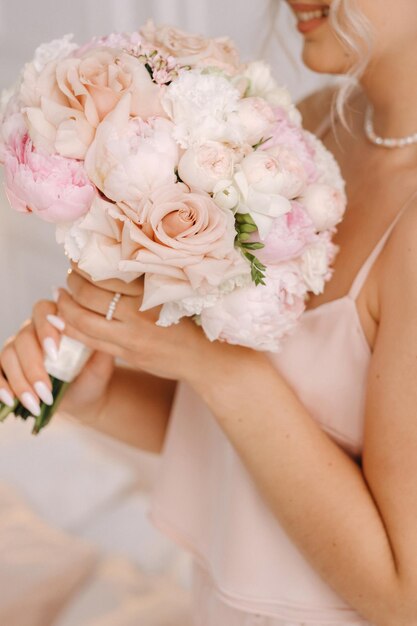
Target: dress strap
{"type": "Point", "coordinates": [367, 266]}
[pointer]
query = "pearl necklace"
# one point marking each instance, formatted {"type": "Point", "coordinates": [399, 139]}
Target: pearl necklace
{"type": "Point", "coordinates": [380, 141]}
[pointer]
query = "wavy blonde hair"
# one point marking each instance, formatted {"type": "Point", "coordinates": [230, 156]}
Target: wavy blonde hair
{"type": "Point", "coordinates": [354, 31]}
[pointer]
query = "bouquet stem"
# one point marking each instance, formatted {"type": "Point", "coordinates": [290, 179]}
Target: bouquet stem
{"type": "Point", "coordinates": [72, 357]}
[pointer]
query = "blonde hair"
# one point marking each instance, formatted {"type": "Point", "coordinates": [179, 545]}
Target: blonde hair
{"type": "Point", "coordinates": [354, 31]}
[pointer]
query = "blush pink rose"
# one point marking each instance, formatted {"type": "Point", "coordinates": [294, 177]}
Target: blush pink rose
{"type": "Point", "coordinates": [288, 237]}
{"type": "Point", "coordinates": [129, 157]}
{"type": "Point", "coordinates": [69, 98]}
{"type": "Point", "coordinates": [187, 239]}
{"type": "Point", "coordinates": [55, 188]}
{"type": "Point", "coordinates": [193, 50]}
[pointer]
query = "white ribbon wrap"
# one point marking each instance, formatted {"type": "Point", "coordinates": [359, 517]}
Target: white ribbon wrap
{"type": "Point", "coordinates": [72, 356]}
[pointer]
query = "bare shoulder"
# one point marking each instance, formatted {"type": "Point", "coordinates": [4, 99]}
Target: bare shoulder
{"type": "Point", "coordinates": [315, 107]}
{"type": "Point", "coordinates": [399, 260]}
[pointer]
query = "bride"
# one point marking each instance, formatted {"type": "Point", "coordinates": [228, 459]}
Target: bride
{"type": "Point", "coordinates": [291, 478]}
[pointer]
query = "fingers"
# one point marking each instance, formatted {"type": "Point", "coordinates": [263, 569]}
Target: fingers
{"type": "Point", "coordinates": [14, 379]}
{"type": "Point", "coordinates": [134, 288]}
{"type": "Point", "coordinates": [31, 362]}
{"type": "Point", "coordinates": [98, 300]}
{"type": "Point", "coordinates": [91, 328]}
{"type": "Point", "coordinates": [48, 327]}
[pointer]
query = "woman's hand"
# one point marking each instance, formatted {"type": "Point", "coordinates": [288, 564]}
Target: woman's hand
{"type": "Point", "coordinates": [178, 352]}
{"type": "Point", "coordinates": [23, 374]}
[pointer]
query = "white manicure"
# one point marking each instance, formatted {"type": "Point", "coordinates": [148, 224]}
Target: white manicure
{"type": "Point", "coordinates": [6, 398]}
{"type": "Point", "coordinates": [30, 403]}
{"type": "Point", "coordinates": [56, 322]}
{"type": "Point", "coordinates": [50, 348]}
{"type": "Point", "coordinates": [44, 393]}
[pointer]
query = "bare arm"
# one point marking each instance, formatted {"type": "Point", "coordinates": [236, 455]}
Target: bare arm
{"type": "Point", "coordinates": [357, 526]}
{"type": "Point", "coordinates": [135, 409]}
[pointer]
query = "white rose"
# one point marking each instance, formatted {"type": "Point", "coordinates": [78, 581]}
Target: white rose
{"type": "Point", "coordinates": [203, 107]}
{"type": "Point", "coordinates": [257, 118]}
{"type": "Point", "coordinates": [324, 204]}
{"type": "Point", "coordinates": [315, 266]}
{"type": "Point", "coordinates": [203, 166]}
{"type": "Point", "coordinates": [262, 84]}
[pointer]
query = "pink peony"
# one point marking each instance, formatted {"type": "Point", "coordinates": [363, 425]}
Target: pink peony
{"type": "Point", "coordinates": [294, 139]}
{"type": "Point", "coordinates": [288, 237]}
{"type": "Point", "coordinates": [129, 158]}
{"type": "Point", "coordinates": [69, 98]}
{"type": "Point", "coordinates": [187, 239]}
{"type": "Point", "coordinates": [55, 188]}
{"type": "Point", "coordinates": [259, 317]}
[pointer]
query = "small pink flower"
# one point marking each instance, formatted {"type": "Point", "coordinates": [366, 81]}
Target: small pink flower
{"type": "Point", "coordinates": [55, 188]}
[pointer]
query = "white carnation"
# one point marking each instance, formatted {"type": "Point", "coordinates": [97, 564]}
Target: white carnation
{"type": "Point", "coordinates": [203, 107]}
{"type": "Point", "coordinates": [53, 51]}
{"type": "Point", "coordinates": [315, 266]}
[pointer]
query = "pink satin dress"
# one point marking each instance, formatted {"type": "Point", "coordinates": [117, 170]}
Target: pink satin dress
{"type": "Point", "coordinates": [247, 571]}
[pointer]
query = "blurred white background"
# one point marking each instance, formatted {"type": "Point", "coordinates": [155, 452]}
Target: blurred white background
{"type": "Point", "coordinates": [76, 481]}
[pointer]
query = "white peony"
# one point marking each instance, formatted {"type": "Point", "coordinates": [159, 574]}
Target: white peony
{"type": "Point", "coordinates": [262, 84]}
{"type": "Point", "coordinates": [328, 169]}
{"type": "Point", "coordinates": [324, 204]}
{"type": "Point", "coordinates": [203, 107]}
{"type": "Point", "coordinates": [267, 182]}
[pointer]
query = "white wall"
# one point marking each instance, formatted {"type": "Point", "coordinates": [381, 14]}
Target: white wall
{"type": "Point", "coordinates": [30, 262]}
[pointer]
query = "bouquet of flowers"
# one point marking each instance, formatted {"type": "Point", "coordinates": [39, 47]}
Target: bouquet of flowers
{"type": "Point", "coordinates": [160, 154]}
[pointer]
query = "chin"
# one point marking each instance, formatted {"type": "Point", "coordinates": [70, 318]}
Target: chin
{"type": "Point", "coordinates": [325, 57]}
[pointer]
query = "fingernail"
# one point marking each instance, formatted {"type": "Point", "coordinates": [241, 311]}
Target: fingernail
{"type": "Point", "coordinates": [44, 393]}
{"type": "Point", "coordinates": [55, 294]}
{"type": "Point", "coordinates": [6, 398]}
{"type": "Point", "coordinates": [56, 322]}
{"type": "Point", "coordinates": [30, 403]}
{"type": "Point", "coordinates": [50, 348]}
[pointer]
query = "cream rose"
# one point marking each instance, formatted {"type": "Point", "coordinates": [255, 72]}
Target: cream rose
{"type": "Point", "coordinates": [187, 239]}
{"type": "Point", "coordinates": [193, 50]}
{"type": "Point", "coordinates": [69, 98]}
{"type": "Point", "coordinates": [203, 166]}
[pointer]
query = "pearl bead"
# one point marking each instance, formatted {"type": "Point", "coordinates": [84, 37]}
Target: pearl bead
{"type": "Point", "coordinates": [371, 135]}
